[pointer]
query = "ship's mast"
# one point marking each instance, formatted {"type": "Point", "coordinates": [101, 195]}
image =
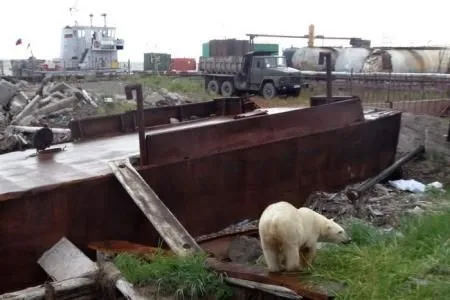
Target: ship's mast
{"type": "Point", "coordinates": [74, 9]}
{"type": "Point", "coordinates": [104, 18]}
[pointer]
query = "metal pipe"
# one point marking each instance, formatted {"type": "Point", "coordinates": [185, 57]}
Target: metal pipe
{"type": "Point", "coordinates": [378, 76]}
{"type": "Point", "coordinates": [354, 194]}
{"type": "Point", "coordinates": [140, 118]}
{"type": "Point", "coordinates": [327, 57]}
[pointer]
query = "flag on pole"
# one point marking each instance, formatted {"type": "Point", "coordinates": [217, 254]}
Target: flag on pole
{"type": "Point", "coordinates": [18, 42]}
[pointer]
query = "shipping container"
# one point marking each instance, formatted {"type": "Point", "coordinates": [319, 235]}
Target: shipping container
{"type": "Point", "coordinates": [273, 48]}
{"type": "Point", "coordinates": [228, 47]}
{"type": "Point", "coordinates": [205, 49]}
{"type": "Point", "coordinates": [183, 64]}
{"type": "Point", "coordinates": [233, 47]}
{"type": "Point", "coordinates": [156, 62]}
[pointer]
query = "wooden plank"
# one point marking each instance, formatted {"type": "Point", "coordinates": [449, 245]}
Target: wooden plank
{"type": "Point", "coordinates": [113, 276]}
{"type": "Point", "coordinates": [167, 225]}
{"type": "Point", "coordinates": [74, 288]}
{"type": "Point", "coordinates": [64, 260]}
{"type": "Point", "coordinates": [261, 275]}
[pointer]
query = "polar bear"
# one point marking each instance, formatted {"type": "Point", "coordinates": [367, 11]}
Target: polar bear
{"type": "Point", "coordinates": [289, 235]}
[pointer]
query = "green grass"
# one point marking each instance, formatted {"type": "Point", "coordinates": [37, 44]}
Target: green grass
{"type": "Point", "coordinates": [186, 277]}
{"type": "Point", "coordinates": [193, 87]}
{"type": "Point", "coordinates": [412, 265]}
{"type": "Point", "coordinates": [115, 108]}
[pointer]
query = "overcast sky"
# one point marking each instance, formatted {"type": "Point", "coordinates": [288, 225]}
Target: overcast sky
{"type": "Point", "coordinates": [180, 27]}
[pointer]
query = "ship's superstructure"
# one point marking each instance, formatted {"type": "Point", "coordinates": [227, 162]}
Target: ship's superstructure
{"type": "Point", "coordinates": [90, 47]}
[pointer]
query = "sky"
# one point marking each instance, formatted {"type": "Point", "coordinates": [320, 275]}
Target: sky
{"type": "Point", "coordinates": [180, 27]}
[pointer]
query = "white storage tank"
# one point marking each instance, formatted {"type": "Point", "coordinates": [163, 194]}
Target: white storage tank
{"type": "Point", "coordinates": [351, 59]}
{"type": "Point", "coordinates": [307, 58]}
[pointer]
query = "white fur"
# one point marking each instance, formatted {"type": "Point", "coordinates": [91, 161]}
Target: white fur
{"type": "Point", "coordinates": [289, 235]}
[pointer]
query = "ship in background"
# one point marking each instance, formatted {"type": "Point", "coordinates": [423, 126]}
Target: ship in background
{"type": "Point", "coordinates": [84, 50]}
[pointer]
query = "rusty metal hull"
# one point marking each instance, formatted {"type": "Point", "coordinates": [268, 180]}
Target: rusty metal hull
{"type": "Point", "coordinates": [206, 193]}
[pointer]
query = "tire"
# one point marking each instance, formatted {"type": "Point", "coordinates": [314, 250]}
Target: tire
{"type": "Point", "coordinates": [227, 89]}
{"type": "Point", "coordinates": [269, 91]}
{"type": "Point", "coordinates": [213, 86]}
{"type": "Point", "coordinates": [296, 93]}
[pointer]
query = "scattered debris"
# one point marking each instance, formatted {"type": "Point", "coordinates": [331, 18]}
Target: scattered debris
{"type": "Point", "coordinates": [410, 185]}
{"type": "Point", "coordinates": [64, 260]}
{"type": "Point", "coordinates": [354, 194]}
{"type": "Point", "coordinates": [245, 249]}
{"type": "Point", "coordinates": [22, 112]}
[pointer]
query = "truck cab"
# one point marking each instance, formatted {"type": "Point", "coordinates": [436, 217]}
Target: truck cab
{"type": "Point", "coordinates": [269, 75]}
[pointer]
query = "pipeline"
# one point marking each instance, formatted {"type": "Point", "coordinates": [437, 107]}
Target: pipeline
{"type": "Point", "coordinates": [314, 75]}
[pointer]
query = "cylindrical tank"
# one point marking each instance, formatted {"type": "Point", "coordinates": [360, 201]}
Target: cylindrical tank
{"type": "Point", "coordinates": [307, 58]}
{"type": "Point", "coordinates": [351, 59]}
{"type": "Point", "coordinates": [434, 60]}
{"type": "Point", "coordinates": [406, 60]}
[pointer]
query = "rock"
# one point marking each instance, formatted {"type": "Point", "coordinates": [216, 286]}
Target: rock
{"type": "Point", "coordinates": [153, 98]}
{"type": "Point", "coordinates": [22, 97]}
{"type": "Point", "coordinates": [244, 249]}
{"type": "Point", "coordinates": [16, 105]}
{"type": "Point", "coordinates": [174, 120]}
{"type": "Point", "coordinates": [61, 87]}
{"type": "Point", "coordinates": [173, 96]}
{"type": "Point", "coordinates": [416, 210]}
{"type": "Point", "coordinates": [163, 91]}
{"type": "Point", "coordinates": [29, 121]}
{"type": "Point", "coordinates": [119, 97]}
{"type": "Point", "coordinates": [419, 282]}
{"type": "Point", "coordinates": [3, 121]}
{"type": "Point", "coordinates": [7, 91]}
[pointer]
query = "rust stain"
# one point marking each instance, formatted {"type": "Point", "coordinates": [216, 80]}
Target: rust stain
{"type": "Point", "coordinates": [118, 246]}
{"type": "Point", "coordinates": [103, 126]}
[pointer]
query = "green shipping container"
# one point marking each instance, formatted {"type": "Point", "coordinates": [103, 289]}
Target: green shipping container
{"type": "Point", "coordinates": [205, 49]}
{"type": "Point", "coordinates": [274, 48]}
{"type": "Point", "coordinates": [157, 62]}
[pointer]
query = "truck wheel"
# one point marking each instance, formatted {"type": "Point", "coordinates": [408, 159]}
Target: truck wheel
{"type": "Point", "coordinates": [269, 91]}
{"type": "Point", "coordinates": [296, 93]}
{"type": "Point", "coordinates": [213, 86]}
{"type": "Point", "coordinates": [227, 89]}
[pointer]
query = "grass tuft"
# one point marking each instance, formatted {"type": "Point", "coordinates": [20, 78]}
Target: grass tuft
{"type": "Point", "coordinates": [172, 275]}
{"type": "Point", "coordinates": [378, 265]}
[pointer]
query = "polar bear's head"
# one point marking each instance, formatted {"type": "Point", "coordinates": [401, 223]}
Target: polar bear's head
{"type": "Point", "coordinates": [334, 233]}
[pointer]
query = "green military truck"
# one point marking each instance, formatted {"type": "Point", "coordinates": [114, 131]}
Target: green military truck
{"type": "Point", "coordinates": [256, 72]}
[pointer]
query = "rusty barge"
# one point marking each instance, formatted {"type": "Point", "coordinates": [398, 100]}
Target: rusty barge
{"type": "Point", "coordinates": [225, 165]}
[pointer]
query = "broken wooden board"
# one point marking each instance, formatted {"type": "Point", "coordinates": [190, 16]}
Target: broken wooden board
{"type": "Point", "coordinates": [261, 275]}
{"type": "Point", "coordinates": [167, 225]}
{"type": "Point", "coordinates": [75, 288]}
{"type": "Point", "coordinates": [64, 260]}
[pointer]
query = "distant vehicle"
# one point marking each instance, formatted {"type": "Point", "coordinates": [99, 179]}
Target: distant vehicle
{"type": "Point", "coordinates": [256, 72]}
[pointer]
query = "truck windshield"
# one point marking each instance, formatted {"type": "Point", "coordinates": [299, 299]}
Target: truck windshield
{"type": "Point", "coordinates": [275, 61]}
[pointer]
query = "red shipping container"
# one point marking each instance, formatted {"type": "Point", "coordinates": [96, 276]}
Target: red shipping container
{"type": "Point", "coordinates": [183, 64]}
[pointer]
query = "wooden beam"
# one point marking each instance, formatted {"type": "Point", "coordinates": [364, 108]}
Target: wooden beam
{"type": "Point", "coordinates": [167, 225]}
